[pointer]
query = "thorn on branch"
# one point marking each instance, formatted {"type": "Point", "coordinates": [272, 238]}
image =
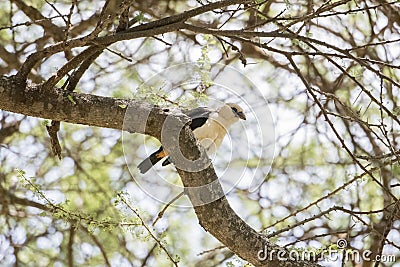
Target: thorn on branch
{"type": "Point", "coordinates": [161, 40]}
{"type": "Point", "coordinates": [55, 144]}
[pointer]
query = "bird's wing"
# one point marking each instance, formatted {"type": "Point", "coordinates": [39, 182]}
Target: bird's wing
{"type": "Point", "coordinates": [207, 129]}
{"type": "Point", "coordinates": [199, 116]}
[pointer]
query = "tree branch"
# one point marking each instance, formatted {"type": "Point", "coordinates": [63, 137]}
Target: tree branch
{"type": "Point", "coordinates": [161, 26]}
{"type": "Point", "coordinates": [35, 15]}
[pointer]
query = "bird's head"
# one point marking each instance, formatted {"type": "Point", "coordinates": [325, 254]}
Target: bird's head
{"type": "Point", "coordinates": [231, 112]}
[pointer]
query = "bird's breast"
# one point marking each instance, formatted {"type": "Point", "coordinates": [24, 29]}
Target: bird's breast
{"type": "Point", "coordinates": [211, 132]}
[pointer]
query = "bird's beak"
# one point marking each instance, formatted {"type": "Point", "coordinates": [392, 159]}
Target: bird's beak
{"type": "Point", "coordinates": [241, 115]}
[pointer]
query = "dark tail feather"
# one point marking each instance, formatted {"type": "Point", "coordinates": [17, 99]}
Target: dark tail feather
{"type": "Point", "coordinates": [166, 162]}
{"type": "Point", "coordinates": [149, 162]}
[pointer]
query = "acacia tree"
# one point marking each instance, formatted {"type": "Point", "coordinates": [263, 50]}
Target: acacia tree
{"type": "Point", "coordinates": [329, 70]}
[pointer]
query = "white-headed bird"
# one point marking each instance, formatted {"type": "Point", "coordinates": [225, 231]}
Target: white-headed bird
{"type": "Point", "coordinates": [209, 126]}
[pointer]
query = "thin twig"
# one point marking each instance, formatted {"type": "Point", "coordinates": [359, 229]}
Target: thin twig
{"type": "Point", "coordinates": [161, 213]}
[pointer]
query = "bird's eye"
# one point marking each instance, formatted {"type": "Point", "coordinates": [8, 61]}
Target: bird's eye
{"type": "Point", "coordinates": [234, 109]}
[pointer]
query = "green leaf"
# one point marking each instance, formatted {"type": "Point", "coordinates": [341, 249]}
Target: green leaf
{"type": "Point", "coordinates": [70, 98]}
{"type": "Point", "coordinates": [45, 123]}
{"type": "Point", "coordinates": [396, 111]}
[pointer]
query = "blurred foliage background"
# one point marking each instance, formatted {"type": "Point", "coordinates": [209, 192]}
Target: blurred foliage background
{"type": "Point", "coordinates": [330, 76]}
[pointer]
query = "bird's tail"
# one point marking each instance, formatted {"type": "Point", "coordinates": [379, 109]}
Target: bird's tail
{"type": "Point", "coordinates": [151, 160]}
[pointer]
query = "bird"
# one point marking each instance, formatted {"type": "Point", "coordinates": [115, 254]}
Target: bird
{"type": "Point", "coordinates": [209, 127]}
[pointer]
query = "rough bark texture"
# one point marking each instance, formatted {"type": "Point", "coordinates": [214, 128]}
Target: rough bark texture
{"type": "Point", "coordinates": [216, 217]}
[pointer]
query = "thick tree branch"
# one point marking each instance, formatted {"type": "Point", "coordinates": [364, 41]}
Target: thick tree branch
{"type": "Point", "coordinates": [216, 217]}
